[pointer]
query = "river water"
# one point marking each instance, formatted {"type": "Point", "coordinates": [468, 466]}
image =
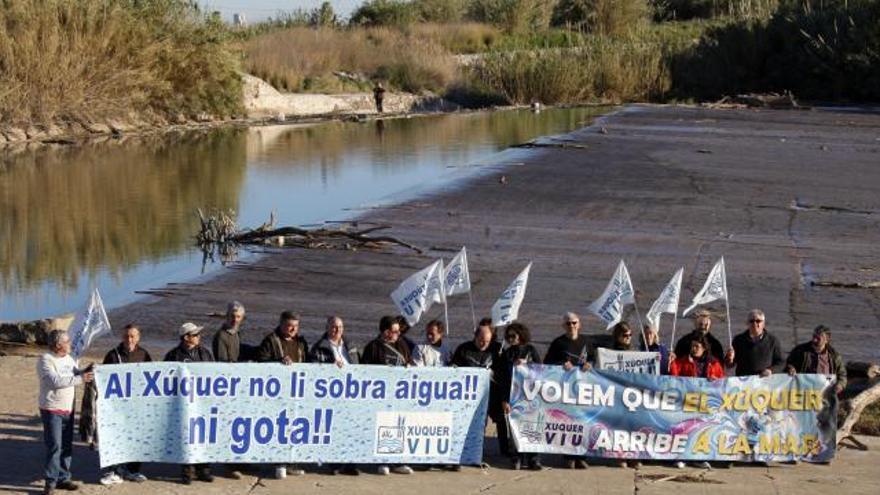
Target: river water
{"type": "Point", "coordinates": [120, 215]}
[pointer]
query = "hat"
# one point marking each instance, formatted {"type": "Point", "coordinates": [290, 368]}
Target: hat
{"type": "Point", "coordinates": [189, 329]}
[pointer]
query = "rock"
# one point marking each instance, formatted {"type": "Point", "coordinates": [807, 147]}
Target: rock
{"type": "Point", "coordinates": [34, 133]}
{"type": "Point", "coordinates": [179, 119]}
{"type": "Point", "coordinates": [97, 128]}
{"type": "Point", "coordinates": [14, 134]}
{"type": "Point", "coordinates": [280, 117]}
{"type": "Point", "coordinates": [54, 131]}
{"type": "Point", "coordinates": [33, 332]}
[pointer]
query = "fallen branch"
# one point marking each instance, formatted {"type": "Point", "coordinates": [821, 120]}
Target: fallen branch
{"type": "Point", "coordinates": [220, 230]}
{"type": "Point", "coordinates": [855, 407]}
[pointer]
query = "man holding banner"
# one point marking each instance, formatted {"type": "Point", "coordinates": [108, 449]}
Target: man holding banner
{"type": "Point", "coordinates": [386, 350]}
{"type": "Point", "coordinates": [755, 351]}
{"type": "Point", "coordinates": [190, 350]}
{"type": "Point", "coordinates": [59, 376]}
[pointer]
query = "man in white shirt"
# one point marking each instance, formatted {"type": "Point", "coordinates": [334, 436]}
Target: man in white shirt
{"type": "Point", "coordinates": [59, 377]}
{"type": "Point", "coordinates": [434, 352]}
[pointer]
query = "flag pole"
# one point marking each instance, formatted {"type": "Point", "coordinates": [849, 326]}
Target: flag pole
{"type": "Point", "coordinates": [445, 299]}
{"type": "Point", "coordinates": [727, 305]}
{"type": "Point", "coordinates": [473, 313]}
{"type": "Point", "coordinates": [641, 326]}
{"type": "Point", "coordinates": [674, 320]}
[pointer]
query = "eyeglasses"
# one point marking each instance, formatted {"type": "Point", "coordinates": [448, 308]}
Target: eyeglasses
{"type": "Point", "coordinates": [627, 335]}
{"type": "Point", "coordinates": [754, 320]}
{"type": "Point", "coordinates": [571, 323]}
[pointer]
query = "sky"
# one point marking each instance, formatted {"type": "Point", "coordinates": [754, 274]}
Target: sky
{"type": "Point", "coordinates": [259, 10]}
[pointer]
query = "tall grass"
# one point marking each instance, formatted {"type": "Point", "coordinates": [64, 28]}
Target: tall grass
{"type": "Point", "coordinates": [602, 69]}
{"type": "Point", "coordinates": [302, 59]}
{"type": "Point", "coordinates": [97, 59]}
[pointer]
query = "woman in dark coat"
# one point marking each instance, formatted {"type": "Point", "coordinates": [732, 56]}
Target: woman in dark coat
{"type": "Point", "coordinates": [518, 352]}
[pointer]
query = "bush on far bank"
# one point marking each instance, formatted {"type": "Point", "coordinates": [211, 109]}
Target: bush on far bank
{"type": "Point", "coordinates": [92, 60]}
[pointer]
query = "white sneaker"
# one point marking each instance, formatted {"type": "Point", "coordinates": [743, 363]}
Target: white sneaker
{"type": "Point", "coordinates": [280, 473]}
{"type": "Point", "coordinates": [383, 470]}
{"type": "Point", "coordinates": [680, 464]}
{"type": "Point", "coordinates": [136, 477]}
{"type": "Point", "coordinates": [111, 478]}
{"type": "Point", "coordinates": [402, 469]}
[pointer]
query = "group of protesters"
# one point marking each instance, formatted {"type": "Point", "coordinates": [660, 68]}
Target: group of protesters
{"type": "Point", "coordinates": [697, 354]}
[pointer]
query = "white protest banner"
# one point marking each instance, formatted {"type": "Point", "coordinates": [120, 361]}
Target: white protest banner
{"type": "Point", "coordinates": [458, 280]}
{"type": "Point", "coordinates": [628, 361]}
{"type": "Point", "coordinates": [715, 287]}
{"type": "Point", "coordinates": [506, 308]}
{"type": "Point", "coordinates": [87, 325]}
{"type": "Point", "coordinates": [668, 300]}
{"type": "Point", "coordinates": [185, 413]}
{"type": "Point", "coordinates": [416, 294]}
{"type": "Point", "coordinates": [618, 293]}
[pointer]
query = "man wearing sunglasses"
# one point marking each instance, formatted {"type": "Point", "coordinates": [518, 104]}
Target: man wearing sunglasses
{"type": "Point", "coordinates": [571, 349]}
{"type": "Point", "coordinates": [755, 351]}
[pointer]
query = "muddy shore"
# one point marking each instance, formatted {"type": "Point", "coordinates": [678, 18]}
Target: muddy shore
{"type": "Point", "coordinates": [788, 197]}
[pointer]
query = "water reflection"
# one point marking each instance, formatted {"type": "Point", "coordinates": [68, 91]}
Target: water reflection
{"type": "Point", "coordinates": [121, 215]}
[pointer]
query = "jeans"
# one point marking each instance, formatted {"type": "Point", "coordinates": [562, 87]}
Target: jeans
{"type": "Point", "coordinates": [58, 438]}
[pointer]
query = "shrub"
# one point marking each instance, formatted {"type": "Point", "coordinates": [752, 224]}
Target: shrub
{"type": "Point", "coordinates": [605, 17]}
{"type": "Point", "coordinates": [96, 59]}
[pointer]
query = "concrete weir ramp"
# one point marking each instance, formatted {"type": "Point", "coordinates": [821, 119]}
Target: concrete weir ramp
{"type": "Point", "coordinates": [789, 198]}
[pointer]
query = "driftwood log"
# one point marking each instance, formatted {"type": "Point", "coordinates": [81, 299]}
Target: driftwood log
{"type": "Point", "coordinates": [321, 238]}
{"type": "Point", "coordinates": [220, 229]}
{"type": "Point", "coordinates": [853, 408]}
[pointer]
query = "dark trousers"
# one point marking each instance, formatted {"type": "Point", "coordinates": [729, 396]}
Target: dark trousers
{"type": "Point", "coordinates": [58, 438]}
{"type": "Point", "coordinates": [504, 445]}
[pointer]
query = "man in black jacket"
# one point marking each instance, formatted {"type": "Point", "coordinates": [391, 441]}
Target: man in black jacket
{"type": "Point", "coordinates": [285, 344]}
{"type": "Point", "coordinates": [386, 350]}
{"type": "Point", "coordinates": [191, 351]}
{"type": "Point", "coordinates": [702, 325]}
{"type": "Point", "coordinates": [571, 349]}
{"type": "Point", "coordinates": [333, 347]}
{"type": "Point", "coordinates": [128, 351]}
{"type": "Point", "coordinates": [818, 356]}
{"type": "Point", "coordinates": [755, 351]}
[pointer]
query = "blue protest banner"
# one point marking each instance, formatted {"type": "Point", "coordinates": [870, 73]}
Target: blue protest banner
{"type": "Point", "coordinates": [271, 413]}
{"type": "Point", "coordinates": [620, 415]}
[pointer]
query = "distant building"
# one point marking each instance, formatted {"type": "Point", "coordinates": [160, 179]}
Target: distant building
{"type": "Point", "coordinates": [238, 20]}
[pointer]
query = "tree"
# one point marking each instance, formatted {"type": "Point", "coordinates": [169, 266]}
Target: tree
{"type": "Point", "coordinates": [323, 16]}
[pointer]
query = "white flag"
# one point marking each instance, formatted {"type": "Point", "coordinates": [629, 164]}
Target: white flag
{"type": "Point", "coordinates": [418, 292]}
{"type": "Point", "coordinates": [456, 276]}
{"type": "Point", "coordinates": [618, 293]}
{"type": "Point", "coordinates": [715, 287]}
{"type": "Point", "coordinates": [506, 308]}
{"type": "Point", "coordinates": [87, 325]}
{"type": "Point", "coordinates": [668, 300]}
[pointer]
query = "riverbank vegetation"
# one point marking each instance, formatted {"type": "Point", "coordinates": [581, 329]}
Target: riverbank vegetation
{"type": "Point", "coordinates": [573, 51]}
{"type": "Point", "coordinates": [93, 60]}
{"type": "Point", "coordinates": [88, 60]}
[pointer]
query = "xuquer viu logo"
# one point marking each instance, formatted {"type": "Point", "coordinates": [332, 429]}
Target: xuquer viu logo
{"type": "Point", "coordinates": [419, 434]}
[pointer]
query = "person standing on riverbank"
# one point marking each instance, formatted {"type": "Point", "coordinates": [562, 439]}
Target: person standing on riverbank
{"type": "Point", "coordinates": [818, 356]}
{"type": "Point", "coordinates": [59, 376]}
{"type": "Point", "coordinates": [286, 346]}
{"type": "Point", "coordinates": [227, 349]}
{"type": "Point", "coordinates": [332, 348]}
{"type": "Point", "coordinates": [190, 350]}
{"type": "Point", "coordinates": [128, 351]}
{"type": "Point", "coordinates": [519, 352]}
{"type": "Point", "coordinates": [434, 352]}
{"type": "Point", "coordinates": [227, 341]}
{"type": "Point", "coordinates": [702, 326]}
{"type": "Point", "coordinates": [755, 351]}
{"type": "Point", "coordinates": [570, 350]}
{"type": "Point", "coordinates": [385, 350]}
{"type": "Point", "coordinates": [379, 96]}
